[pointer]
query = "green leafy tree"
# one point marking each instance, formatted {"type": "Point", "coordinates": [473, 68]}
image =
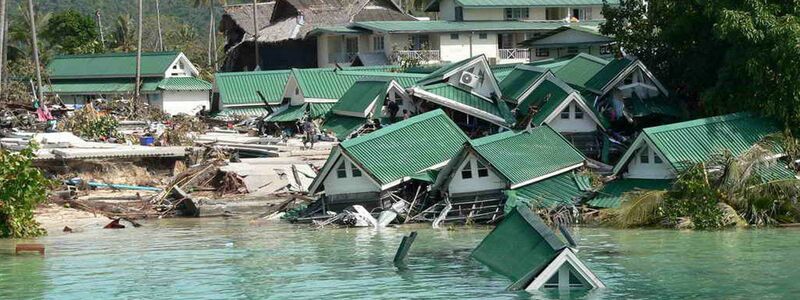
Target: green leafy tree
{"type": "Point", "coordinates": [22, 188]}
{"type": "Point", "coordinates": [71, 32]}
{"type": "Point", "coordinates": [725, 55]}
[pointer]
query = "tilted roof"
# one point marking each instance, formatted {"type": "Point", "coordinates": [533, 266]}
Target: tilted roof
{"type": "Point", "coordinates": [294, 113]}
{"type": "Point", "coordinates": [613, 69]}
{"type": "Point", "coordinates": [111, 65]}
{"type": "Point", "coordinates": [469, 103]}
{"type": "Point", "coordinates": [521, 78]}
{"type": "Point", "coordinates": [342, 126]}
{"type": "Point", "coordinates": [239, 88]}
{"type": "Point", "coordinates": [528, 156]}
{"type": "Point", "coordinates": [565, 189]}
{"type": "Point", "coordinates": [407, 147]}
{"type": "Point", "coordinates": [576, 70]}
{"type": "Point", "coordinates": [686, 143]}
{"type": "Point", "coordinates": [361, 95]}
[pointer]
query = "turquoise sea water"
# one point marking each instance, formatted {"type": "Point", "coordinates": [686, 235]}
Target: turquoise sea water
{"type": "Point", "coordinates": [234, 259]}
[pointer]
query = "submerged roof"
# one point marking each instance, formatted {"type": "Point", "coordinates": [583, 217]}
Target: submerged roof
{"type": "Point", "coordinates": [685, 143]}
{"type": "Point", "coordinates": [239, 88]}
{"type": "Point", "coordinates": [110, 65]}
{"type": "Point", "coordinates": [520, 247]}
{"type": "Point", "coordinates": [528, 156]}
{"type": "Point", "coordinates": [407, 147]}
{"type": "Point", "coordinates": [561, 190]}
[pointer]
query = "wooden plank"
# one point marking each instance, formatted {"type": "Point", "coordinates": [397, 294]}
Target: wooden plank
{"type": "Point", "coordinates": [402, 251]}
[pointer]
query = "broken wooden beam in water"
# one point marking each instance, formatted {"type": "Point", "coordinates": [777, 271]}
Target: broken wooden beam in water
{"type": "Point", "coordinates": [402, 251]}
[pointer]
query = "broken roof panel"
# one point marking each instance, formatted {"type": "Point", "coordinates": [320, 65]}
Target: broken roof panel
{"type": "Point", "coordinates": [362, 96]}
{"type": "Point", "coordinates": [528, 156]}
{"type": "Point", "coordinates": [342, 126]}
{"type": "Point", "coordinates": [407, 147]}
{"type": "Point", "coordinates": [565, 189]}
{"type": "Point", "coordinates": [455, 98]}
{"type": "Point", "coordinates": [609, 72]}
{"type": "Point", "coordinates": [519, 80]}
{"type": "Point", "coordinates": [238, 88]}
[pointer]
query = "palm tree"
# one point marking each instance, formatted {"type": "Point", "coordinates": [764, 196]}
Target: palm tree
{"type": "Point", "coordinates": [212, 35]}
{"type": "Point", "coordinates": [35, 43]}
{"type": "Point", "coordinates": [743, 184]}
{"type": "Point", "coordinates": [158, 21]}
{"type": "Point", "coordinates": [123, 34]}
{"type": "Point", "coordinates": [139, 54]}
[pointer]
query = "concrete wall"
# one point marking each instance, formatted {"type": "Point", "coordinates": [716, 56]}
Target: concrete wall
{"type": "Point", "coordinates": [649, 170]}
{"type": "Point", "coordinates": [573, 125]}
{"type": "Point", "coordinates": [323, 48]}
{"type": "Point", "coordinates": [350, 184]}
{"type": "Point", "coordinates": [186, 102]}
{"type": "Point", "coordinates": [459, 185]}
{"type": "Point", "coordinates": [456, 50]}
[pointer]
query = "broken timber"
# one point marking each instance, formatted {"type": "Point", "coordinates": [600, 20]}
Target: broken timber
{"type": "Point", "coordinates": [402, 251]}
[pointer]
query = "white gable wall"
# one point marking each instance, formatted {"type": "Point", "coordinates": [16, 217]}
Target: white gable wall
{"type": "Point", "coordinates": [348, 185]}
{"type": "Point", "coordinates": [485, 88]}
{"type": "Point", "coordinates": [184, 102]}
{"type": "Point", "coordinates": [460, 185]}
{"type": "Point", "coordinates": [293, 92]}
{"type": "Point", "coordinates": [640, 168]}
{"type": "Point", "coordinates": [572, 124]}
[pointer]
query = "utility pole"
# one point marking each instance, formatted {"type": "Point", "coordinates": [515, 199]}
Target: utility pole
{"type": "Point", "coordinates": [138, 55]}
{"type": "Point", "coordinates": [35, 41]}
{"type": "Point", "coordinates": [255, 35]}
{"type": "Point", "coordinates": [100, 26]}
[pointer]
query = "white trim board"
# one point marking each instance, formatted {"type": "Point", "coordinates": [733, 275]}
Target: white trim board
{"type": "Point", "coordinates": [570, 259]}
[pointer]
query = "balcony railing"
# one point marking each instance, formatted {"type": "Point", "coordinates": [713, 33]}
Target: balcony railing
{"type": "Point", "coordinates": [514, 54]}
{"type": "Point", "coordinates": [420, 55]}
{"type": "Point", "coordinates": [342, 57]}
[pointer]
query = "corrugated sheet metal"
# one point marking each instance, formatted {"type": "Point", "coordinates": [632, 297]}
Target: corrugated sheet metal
{"type": "Point", "coordinates": [100, 86]}
{"type": "Point", "coordinates": [238, 88]}
{"type": "Point", "coordinates": [531, 3]}
{"type": "Point", "coordinates": [109, 65]}
{"type": "Point", "coordinates": [561, 190]}
{"type": "Point", "coordinates": [324, 83]}
{"type": "Point", "coordinates": [496, 108]}
{"type": "Point", "coordinates": [290, 114]}
{"type": "Point", "coordinates": [526, 155]}
{"type": "Point", "coordinates": [342, 126]}
{"type": "Point", "coordinates": [318, 110]}
{"type": "Point", "coordinates": [249, 111]}
{"type": "Point", "coordinates": [775, 172]}
{"type": "Point", "coordinates": [546, 97]}
{"type": "Point", "coordinates": [404, 79]}
{"type": "Point", "coordinates": [407, 147]}
{"type": "Point", "coordinates": [580, 69]}
{"type": "Point", "coordinates": [453, 26]}
{"type": "Point", "coordinates": [695, 141]}
{"type": "Point", "coordinates": [517, 82]}
{"type": "Point", "coordinates": [361, 95]}
{"type": "Point", "coordinates": [183, 84]}
{"type": "Point", "coordinates": [607, 73]}
{"type": "Point", "coordinates": [611, 195]}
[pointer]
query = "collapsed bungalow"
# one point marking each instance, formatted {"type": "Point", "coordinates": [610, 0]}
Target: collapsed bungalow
{"type": "Point", "coordinates": [364, 107]}
{"type": "Point", "coordinates": [659, 154]}
{"type": "Point", "coordinates": [524, 249]}
{"type": "Point", "coordinates": [239, 94]}
{"type": "Point", "coordinates": [366, 170]}
{"type": "Point", "coordinates": [469, 92]}
{"type": "Point", "coordinates": [536, 166]}
{"type": "Point", "coordinates": [169, 80]}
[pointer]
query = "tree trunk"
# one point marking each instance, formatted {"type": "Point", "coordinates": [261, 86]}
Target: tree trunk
{"type": "Point", "coordinates": [100, 27]}
{"type": "Point", "coordinates": [210, 33]}
{"type": "Point", "coordinates": [36, 61]}
{"type": "Point", "coordinates": [213, 35]}
{"type": "Point", "coordinates": [2, 39]}
{"type": "Point", "coordinates": [255, 35]}
{"type": "Point", "coordinates": [158, 21]}
{"type": "Point", "coordinates": [138, 55]}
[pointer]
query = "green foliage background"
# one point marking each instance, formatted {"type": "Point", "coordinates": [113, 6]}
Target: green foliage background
{"type": "Point", "coordinates": [22, 188]}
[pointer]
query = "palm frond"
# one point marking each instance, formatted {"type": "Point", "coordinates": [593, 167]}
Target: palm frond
{"type": "Point", "coordinates": [640, 208]}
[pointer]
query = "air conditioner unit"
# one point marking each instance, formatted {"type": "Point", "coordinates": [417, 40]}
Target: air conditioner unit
{"type": "Point", "coordinates": [469, 79]}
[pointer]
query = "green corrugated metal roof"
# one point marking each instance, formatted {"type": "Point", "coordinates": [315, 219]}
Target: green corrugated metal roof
{"type": "Point", "coordinates": [407, 147]}
{"type": "Point", "coordinates": [247, 111]}
{"type": "Point", "coordinates": [290, 114]}
{"type": "Point", "coordinates": [318, 110]}
{"type": "Point", "coordinates": [696, 141]}
{"type": "Point", "coordinates": [100, 86]}
{"type": "Point", "coordinates": [775, 172]}
{"type": "Point", "coordinates": [323, 83]}
{"type": "Point", "coordinates": [342, 126]}
{"type": "Point", "coordinates": [183, 84]}
{"type": "Point", "coordinates": [531, 3]}
{"type": "Point", "coordinates": [456, 26]}
{"type": "Point", "coordinates": [519, 247]}
{"type": "Point", "coordinates": [426, 176]}
{"type": "Point", "coordinates": [519, 80]}
{"type": "Point", "coordinates": [237, 88]}
{"type": "Point", "coordinates": [560, 190]}
{"type": "Point", "coordinates": [495, 108]}
{"type": "Point", "coordinates": [611, 195]}
{"type": "Point", "coordinates": [361, 95]}
{"type": "Point", "coordinates": [440, 72]}
{"type": "Point", "coordinates": [526, 155]}
{"type": "Point", "coordinates": [403, 79]}
{"type": "Point", "coordinates": [578, 70]}
{"type": "Point", "coordinates": [109, 65]}
{"type": "Point", "coordinates": [608, 73]}
{"type": "Point", "coordinates": [546, 97]}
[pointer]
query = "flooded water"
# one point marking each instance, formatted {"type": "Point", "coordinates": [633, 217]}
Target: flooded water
{"type": "Point", "coordinates": [232, 259]}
